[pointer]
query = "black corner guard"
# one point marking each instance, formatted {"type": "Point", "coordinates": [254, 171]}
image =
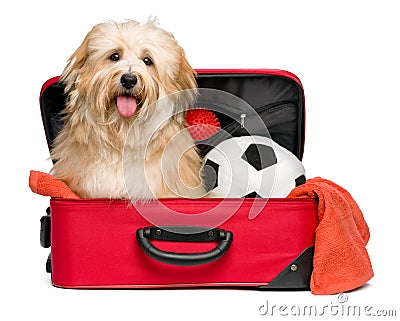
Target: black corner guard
{"type": "Point", "coordinates": [143, 236]}
{"type": "Point", "coordinates": [48, 264]}
{"type": "Point", "coordinates": [296, 276]}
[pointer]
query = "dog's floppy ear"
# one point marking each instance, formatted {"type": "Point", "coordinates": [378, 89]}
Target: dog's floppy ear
{"type": "Point", "coordinates": [187, 76]}
{"type": "Point", "coordinates": [76, 62]}
{"type": "Point", "coordinates": [187, 85]}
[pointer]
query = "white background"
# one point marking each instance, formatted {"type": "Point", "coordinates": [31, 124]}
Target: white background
{"type": "Point", "coordinates": [345, 52]}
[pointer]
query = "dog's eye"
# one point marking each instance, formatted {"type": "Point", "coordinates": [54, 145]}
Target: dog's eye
{"type": "Point", "coordinates": [147, 61]}
{"type": "Point", "coordinates": [114, 57]}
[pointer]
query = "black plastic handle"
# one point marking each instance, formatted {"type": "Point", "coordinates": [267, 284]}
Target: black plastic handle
{"type": "Point", "coordinates": [45, 226]}
{"type": "Point", "coordinates": [224, 238]}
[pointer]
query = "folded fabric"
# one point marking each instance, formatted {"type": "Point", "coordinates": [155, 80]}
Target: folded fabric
{"type": "Point", "coordinates": [341, 261]}
{"type": "Point", "coordinates": [47, 185]}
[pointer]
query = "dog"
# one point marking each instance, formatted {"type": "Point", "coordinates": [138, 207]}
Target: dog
{"type": "Point", "coordinates": [128, 86]}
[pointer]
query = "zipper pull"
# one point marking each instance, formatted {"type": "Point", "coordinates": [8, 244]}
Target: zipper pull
{"type": "Point", "coordinates": [242, 117]}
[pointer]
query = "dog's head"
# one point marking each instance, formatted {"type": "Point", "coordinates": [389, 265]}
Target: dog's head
{"type": "Point", "coordinates": [121, 69]}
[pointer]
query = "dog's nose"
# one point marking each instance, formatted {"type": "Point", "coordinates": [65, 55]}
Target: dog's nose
{"type": "Point", "coordinates": [128, 81]}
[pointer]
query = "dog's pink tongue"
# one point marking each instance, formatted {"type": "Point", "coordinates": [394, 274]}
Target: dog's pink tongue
{"type": "Point", "coordinates": [126, 105]}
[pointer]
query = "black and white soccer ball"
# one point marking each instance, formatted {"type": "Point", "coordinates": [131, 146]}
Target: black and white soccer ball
{"type": "Point", "coordinates": [251, 166]}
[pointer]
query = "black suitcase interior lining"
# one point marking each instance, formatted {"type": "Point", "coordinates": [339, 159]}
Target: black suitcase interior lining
{"type": "Point", "coordinates": [278, 101]}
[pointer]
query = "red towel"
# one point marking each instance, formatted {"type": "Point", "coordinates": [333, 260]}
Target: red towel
{"type": "Point", "coordinates": [48, 185]}
{"type": "Point", "coordinates": [341, 261]}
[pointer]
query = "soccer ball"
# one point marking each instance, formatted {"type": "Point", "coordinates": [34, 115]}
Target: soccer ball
{"type": "Point", "coordinates": [251, 166]}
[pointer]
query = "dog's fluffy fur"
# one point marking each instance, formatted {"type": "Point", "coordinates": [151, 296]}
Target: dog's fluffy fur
{"type": "Point", "coordinates": [108, 151]}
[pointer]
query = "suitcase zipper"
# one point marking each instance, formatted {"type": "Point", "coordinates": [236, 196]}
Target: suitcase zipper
{"type": "Point", "coordinates": [274, 106]}
{"type": "Point", "coordinates": [270, 108]}
{"type": "Point", "coordinates": [242, 118]}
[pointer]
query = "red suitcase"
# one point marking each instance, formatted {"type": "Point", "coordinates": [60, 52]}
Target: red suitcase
{"type": "Point", "coordinates": [102, 243]}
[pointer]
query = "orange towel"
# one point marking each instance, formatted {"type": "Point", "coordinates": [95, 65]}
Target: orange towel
{"type": "Point", "coordinates": [48, 185]}
{"type": "Point", "coordinates": [341, 261]}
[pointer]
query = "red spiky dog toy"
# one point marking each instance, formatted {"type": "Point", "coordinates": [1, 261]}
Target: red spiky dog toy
{"type": "Point", "coordinates": [202, 123]}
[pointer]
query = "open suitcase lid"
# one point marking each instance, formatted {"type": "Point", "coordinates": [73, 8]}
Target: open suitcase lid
{"type": "Point", "coordinates": [276, 95]}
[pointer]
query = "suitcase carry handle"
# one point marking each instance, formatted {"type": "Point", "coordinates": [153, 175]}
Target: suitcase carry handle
{"type": "Point", "coordinates": [192, 234]}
